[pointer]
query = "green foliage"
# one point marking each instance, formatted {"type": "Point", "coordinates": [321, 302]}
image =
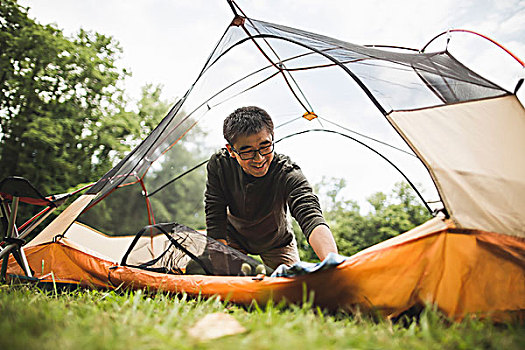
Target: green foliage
{"type": "Point", "coordinates": [390, 216]}
{"type": "Point", "coordinates": [62, 112]}
{"type": "Point", "coordinates": [124, 211]}
{"type": "Point", "coordinates": [183, 200]}
{"type": "Point", "coordinates": [33, 319]}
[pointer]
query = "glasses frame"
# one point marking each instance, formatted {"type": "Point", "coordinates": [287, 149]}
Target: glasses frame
{"type": "Point", "coordinates": [242, 154]}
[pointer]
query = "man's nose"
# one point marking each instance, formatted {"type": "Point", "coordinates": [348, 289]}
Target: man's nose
{"type": "Point", "coordinates": [257, 155]}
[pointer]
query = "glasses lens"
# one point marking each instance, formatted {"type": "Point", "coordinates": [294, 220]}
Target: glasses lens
{"type": "Point", "coordinates": [247, 155]}
{"type": "Point", "coordinates": [266, 150]}
{"type": "Point", "coordinates": [263, 151]}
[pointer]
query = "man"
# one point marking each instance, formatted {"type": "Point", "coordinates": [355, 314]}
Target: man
{"type": "Point", "coordinates": [249, 189]}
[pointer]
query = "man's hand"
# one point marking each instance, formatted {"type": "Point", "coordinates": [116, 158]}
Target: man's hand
{"type": "Point", "coordinates": [322, 241]}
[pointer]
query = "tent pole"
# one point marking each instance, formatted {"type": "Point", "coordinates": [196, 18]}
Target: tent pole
{"type": "Point", "coordinates": [232, 6]}
{"type": "Point", "coordinates": [376, 152]}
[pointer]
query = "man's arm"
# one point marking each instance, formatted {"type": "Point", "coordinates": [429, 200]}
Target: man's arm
{"type": "Point", "coordinates": [322, 241]}
{"type": "Point", "coordinates": [305, 208]}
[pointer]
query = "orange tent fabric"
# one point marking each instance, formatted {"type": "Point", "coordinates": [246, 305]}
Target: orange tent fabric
{"type": "Point", "coordinates": [461, 271]}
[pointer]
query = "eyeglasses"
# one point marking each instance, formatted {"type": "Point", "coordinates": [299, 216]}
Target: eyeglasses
{"type": "Point", "coordinates": [263, 151]}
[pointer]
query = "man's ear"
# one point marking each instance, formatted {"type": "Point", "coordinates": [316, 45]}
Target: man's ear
{"type": "Point", "coordinates": [230, 150]}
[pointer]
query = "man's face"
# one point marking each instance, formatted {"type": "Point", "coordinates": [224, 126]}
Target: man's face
{"type": "Point", "coordinates": [259, 165]}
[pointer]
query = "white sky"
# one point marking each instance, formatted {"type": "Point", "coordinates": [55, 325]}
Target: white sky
{"type": "Point", "coordinates": [167, 41]}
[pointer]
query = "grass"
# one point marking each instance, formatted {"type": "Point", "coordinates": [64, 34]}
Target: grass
{"type": "Point", "coordinates": [86, 319]}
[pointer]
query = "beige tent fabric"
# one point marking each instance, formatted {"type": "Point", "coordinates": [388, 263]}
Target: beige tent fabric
{"type": "Point", "coordinates": [476, 155]}
{"type": "Point", "coordinates": [62, 221]}
{"type": "Point", "coordinates": [113, 248]}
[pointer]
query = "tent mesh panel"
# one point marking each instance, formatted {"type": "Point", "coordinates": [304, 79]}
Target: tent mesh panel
{"type": "Point", "coordinates": [186, 251]}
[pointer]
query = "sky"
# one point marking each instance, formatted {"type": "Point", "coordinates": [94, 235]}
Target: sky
{"type": "Point", "coordinates": [168, 41]}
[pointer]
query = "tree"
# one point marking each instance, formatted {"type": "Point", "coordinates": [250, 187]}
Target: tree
{"type": "Point", "coordinates": [392, 214]}
{"type": "Point", "coordinates": [62, 113]}
{"type": "Point", "coordinates": [124, 211]}
{"type": "Point", "coordinates": [182, 200]}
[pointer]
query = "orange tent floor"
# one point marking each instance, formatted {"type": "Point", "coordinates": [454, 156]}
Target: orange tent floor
{"type": "Point", "coordinates": [462, 272]}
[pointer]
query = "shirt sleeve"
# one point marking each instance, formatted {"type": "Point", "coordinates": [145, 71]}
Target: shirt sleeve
{"type": "Point", "coordinates": [215, 201]}
{"type": "Point", "coordinates": [303, 203]}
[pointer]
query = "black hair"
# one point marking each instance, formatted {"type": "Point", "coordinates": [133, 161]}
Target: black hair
{"type": "Point", "coordinates": [246, 121]}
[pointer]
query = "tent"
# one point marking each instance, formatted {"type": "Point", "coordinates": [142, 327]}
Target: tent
{"type": "Point", "coordinates": [465, 132]}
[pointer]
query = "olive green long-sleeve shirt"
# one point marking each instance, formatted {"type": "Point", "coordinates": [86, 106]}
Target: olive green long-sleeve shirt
{"type": "Point", "coordinates": [251, 211]}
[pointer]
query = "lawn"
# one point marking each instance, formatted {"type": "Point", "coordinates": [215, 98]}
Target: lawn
{"type": "Point", "coordinates": [88, 319]}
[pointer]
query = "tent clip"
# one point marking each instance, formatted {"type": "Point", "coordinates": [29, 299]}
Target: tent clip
{"type": "Point", "coordinates": [114, 267]}
{"type": "Point", "coordinates": [259, 277]}
{"type": "Point", "coordinates": [238, 21]}
{"type": "Point", "coordinates": [309, 116]}
{"type": "Point", "coordinates": [448, 37]}
{"type": "Point", "coordinates": [518, 86]}
{"type": "Point", "coordinates": [442, 211]}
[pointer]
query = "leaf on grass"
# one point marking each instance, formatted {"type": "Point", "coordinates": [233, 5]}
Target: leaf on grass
{"type": "Point", "coordinates": [214, 326]}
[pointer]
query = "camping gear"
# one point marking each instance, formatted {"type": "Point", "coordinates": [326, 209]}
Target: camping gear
{"type": "Point", "coordinates": [465, 131]}
{"type": "Point", "coordinates": [13, 191]}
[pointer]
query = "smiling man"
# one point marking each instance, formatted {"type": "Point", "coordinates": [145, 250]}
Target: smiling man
{"type": "Point", "coordinates": [250, 189]}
